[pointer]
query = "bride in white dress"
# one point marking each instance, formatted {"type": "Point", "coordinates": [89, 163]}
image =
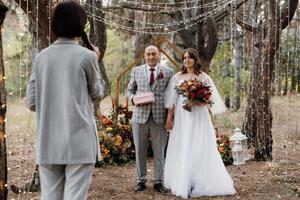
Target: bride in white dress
{"type": "Point", "coordinates": [193, 164]}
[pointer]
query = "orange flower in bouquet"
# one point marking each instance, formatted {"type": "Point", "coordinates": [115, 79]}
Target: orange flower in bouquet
{"type": "Point", "coordinates": [195, 92]}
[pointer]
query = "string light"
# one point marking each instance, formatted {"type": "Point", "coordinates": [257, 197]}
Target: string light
{"type": "Point", "coordinates": [19, 46]}
{"type": "Point", "coordinates": [167, 9]}
{"type": "Point", "coordinates": [144, 29]}
{"type": "Point", "coordinates": [157, 25]}
{"type": "Point", "coordinates": [159, 3]}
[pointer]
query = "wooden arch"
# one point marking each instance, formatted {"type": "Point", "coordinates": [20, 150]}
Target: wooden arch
{"type": "Point", "coordinates": [158, 42]}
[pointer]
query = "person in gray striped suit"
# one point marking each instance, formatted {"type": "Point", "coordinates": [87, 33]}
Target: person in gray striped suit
{"type": "Point", "coordinates": [64, 83]}
{"type": "Point", "coordinates": [149, 119]}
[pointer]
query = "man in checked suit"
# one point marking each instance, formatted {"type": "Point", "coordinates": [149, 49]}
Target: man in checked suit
{"type": "Point", "coordinates": [149, 119]}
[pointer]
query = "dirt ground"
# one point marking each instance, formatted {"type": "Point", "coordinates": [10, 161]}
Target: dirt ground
{"type": "Point", "coordinates": [276, 179]}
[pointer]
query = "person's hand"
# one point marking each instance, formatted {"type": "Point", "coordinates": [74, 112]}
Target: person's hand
{"type": "Point", "coordinates": [133, 102]}
{"type": "Point", "coordinates": [169, 125]}
{"type": "Point", "coordinates": [139, 105]}
{"type": "Point", "coordinates": [199, 104]}
{"type": "Point", "coordinates": [96, 50]}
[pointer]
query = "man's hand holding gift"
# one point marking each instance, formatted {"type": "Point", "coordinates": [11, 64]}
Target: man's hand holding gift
{"type": "Point", "coordinates": [143, 99]}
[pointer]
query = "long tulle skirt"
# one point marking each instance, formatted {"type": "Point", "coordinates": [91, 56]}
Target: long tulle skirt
{"type": "Point", "coordinates": [193, 164]}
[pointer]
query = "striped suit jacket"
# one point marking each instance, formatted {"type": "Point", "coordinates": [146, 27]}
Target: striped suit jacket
{"type": "Point", "coordinates": [65, 80]}
{"type": "Point", "coordinates": [139, 83]}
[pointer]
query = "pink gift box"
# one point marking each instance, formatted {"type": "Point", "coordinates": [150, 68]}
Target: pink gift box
{"type": "Point", "coordinates": [144, 98]}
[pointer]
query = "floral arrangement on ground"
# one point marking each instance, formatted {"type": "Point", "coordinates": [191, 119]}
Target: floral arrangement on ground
{"type": "Point", "coordinates": [115, 136]}
{"type": "Point", "coordinates": [224, 149]}
{"type": "Point", "coordinates": [116, 140]}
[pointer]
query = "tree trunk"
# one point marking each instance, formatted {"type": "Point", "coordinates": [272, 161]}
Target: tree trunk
{"type": "Point", "coordinates": [293, 78]}
{"type": "Point", "coordinates": [294, 60]}
{"type": "Point", "coordinates": [279, 82]}
{"type": "Point", "coordinates": [3, 156]}
{"type": "Point", "coordinates": [98, 37]}
{"type": "Point", "coordinates": [298, 76]}
{"type": "Point", "coordinates": [196, 38]}
{"type": "Point", "coordinates": [227, 74]}
{"type": "Point", "coordinates": [278, 74]}
{"type": "Point", "coordinates": [38, 12]}
{"type": "Point", "coordinates": [237, 62]}
{"type": "Point", "coordinates": [286, 80]}
{"type": "Point", "coordinates": [258, 123]}
{"type": "Point", "coordinates": [141, 41]}
{"type": "Point", "coordinates": [297, 58]}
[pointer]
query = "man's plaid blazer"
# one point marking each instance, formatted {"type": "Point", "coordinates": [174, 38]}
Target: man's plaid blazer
{"type": "Point", "coordinates": [139, 83]}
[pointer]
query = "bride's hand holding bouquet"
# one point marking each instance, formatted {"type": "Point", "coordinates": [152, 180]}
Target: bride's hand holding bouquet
{"type": "Point", "coordinates": [197, 93]}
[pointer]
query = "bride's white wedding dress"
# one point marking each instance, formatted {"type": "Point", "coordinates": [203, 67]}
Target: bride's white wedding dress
{"type": "Point", "coordinates": [193, 164]}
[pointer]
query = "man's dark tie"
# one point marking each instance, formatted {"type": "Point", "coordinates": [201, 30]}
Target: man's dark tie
{"type": "Point", "coordinates": [152, 76]}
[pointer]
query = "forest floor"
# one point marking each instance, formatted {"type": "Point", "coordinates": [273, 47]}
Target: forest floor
{"type": "Point", "coordinates": [276, 179]}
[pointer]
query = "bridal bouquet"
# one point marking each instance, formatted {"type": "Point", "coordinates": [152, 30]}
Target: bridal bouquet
{"type": "Point", "coordinates": [195, 92]}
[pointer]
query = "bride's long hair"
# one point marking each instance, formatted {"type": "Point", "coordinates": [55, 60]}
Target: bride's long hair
{"type": "Point", "coordinates": [194, 55]}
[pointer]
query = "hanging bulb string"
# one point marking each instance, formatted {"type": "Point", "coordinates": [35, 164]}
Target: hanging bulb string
{"type": "Point", "coordinates": [163, 5]}
{"type": "Point", "coordinates": [142, 30]}
{"type": "Point", "coordinates": [159, 25]}
{"type": "Point", "coordinates": [167, 10]}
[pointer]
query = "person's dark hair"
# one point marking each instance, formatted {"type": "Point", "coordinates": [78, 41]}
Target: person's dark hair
{"type": "Point", "coordinates": [68, 20]}
{"type": "Point", "coordinates": [194, 55]}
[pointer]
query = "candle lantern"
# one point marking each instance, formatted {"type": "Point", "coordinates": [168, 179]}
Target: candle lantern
{"type": "Point", "coordinates": [238, 144]}
{"type": "Point", "coordinates": [238, 154]}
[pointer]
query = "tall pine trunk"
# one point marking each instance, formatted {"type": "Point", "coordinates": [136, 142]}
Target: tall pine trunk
{"type": "Point", "coordinates": [237, 63]}
{"type": "Point", "coordinates": [258, 117]}
{"type": "Point", "coordinates": [3, 156]}
{"type": "Point", "coordinates": [98, 37]}
{"type": "Point", "coordinates": [258, 114]}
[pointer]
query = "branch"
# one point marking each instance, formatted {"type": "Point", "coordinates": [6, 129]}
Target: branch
{"type": "Point", "coordinates": [226, 12]}
{"type": "Point", "coordinates": [287, 13]}
{"type": "Point", "coordinates": [245, 25]}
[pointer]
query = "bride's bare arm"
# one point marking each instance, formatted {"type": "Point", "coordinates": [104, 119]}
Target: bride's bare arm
{"type": "Point", "coordinates": [169, 122]}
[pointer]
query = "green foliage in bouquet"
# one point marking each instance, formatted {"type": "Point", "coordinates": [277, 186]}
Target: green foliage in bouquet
{"type": "Point", "coordinates": [116, 141]}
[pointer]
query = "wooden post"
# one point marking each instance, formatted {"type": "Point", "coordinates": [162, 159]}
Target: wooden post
{"type": "Point", "coordinates": [3, 158]}
{"type": "Point", "coordinates": [116, 97]}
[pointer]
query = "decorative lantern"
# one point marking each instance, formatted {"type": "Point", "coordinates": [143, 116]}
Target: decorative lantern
{"type": "Point", "coordinates": [238, 153]}
{"type": "Point", "coordinates": [238, 143]}
{"type": "Point", "coordinates": [238, 136]}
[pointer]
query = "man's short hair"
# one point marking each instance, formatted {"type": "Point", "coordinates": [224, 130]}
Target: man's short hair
{"type": "Point", "coordinates": [68, 20]}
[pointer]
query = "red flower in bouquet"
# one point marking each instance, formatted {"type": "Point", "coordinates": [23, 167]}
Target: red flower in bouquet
{"type": "Point", "coordinates": [195, 92]}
